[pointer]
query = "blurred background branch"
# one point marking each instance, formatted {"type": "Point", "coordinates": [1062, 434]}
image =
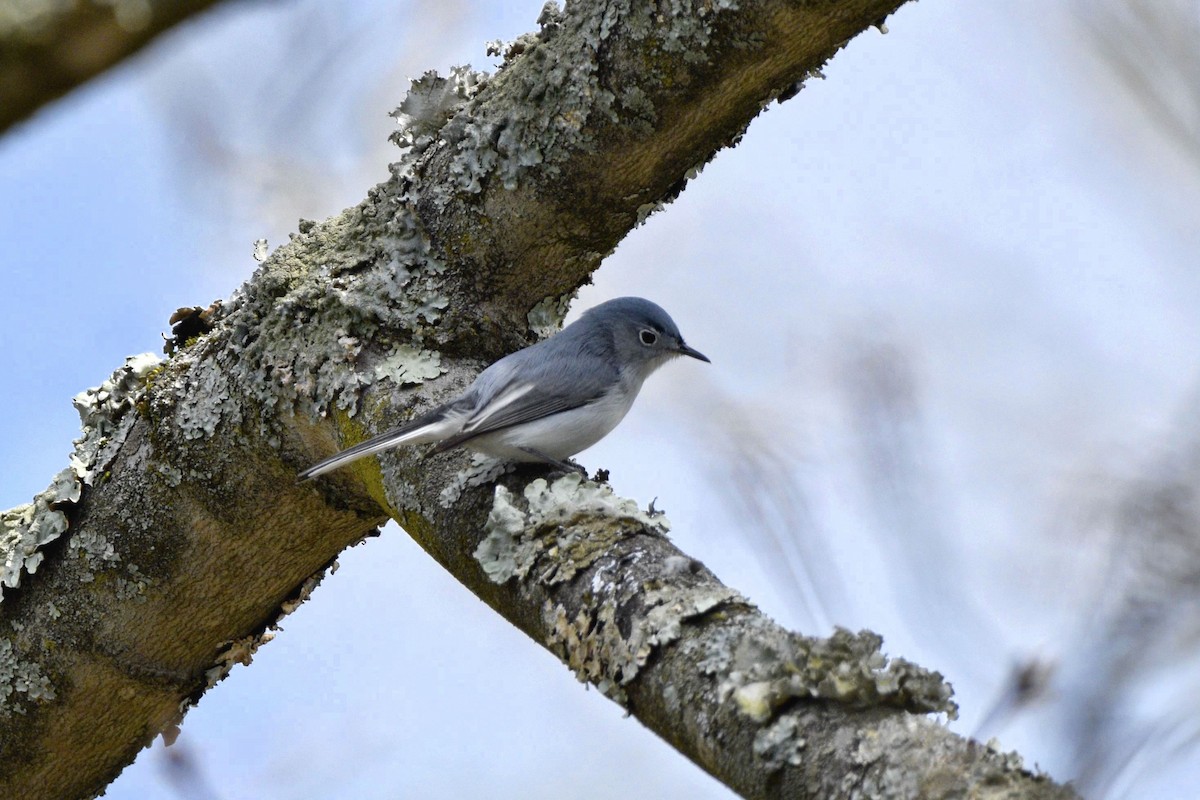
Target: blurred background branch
{"type": "Point", "coordinates": [1130, 683]}
{"type": "Point", "coordinates": [1151, 48]}
{"type": "Point", "coordinates": [48, 47]}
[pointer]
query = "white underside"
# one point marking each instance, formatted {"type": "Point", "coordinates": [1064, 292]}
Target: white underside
{"type": "Point", "coordinates": [559, 435]}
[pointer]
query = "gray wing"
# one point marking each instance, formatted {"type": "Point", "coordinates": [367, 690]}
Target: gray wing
{"type": "Point", "coordinates": [559, 374]}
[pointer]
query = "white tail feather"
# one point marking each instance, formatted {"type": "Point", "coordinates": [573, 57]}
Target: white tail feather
{"type": "Point", "coordinates": [430, 432]}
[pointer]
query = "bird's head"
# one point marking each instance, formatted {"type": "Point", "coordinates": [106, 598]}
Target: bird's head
{"type": "Point", "coordinates": [645, 337]}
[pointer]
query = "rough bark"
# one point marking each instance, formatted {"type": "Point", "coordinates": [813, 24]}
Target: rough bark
{"type": "Point", "coordinates": [47, 47]}
{"type": "Point", "coordinates": [179, 534]}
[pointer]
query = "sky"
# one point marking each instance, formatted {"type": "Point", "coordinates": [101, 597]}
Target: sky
{"type": "Point", "coordinates": [949, 294]}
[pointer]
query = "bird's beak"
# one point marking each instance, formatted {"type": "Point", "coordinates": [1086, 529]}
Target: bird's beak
{"type": "Point", "coordinates": [687, 351]}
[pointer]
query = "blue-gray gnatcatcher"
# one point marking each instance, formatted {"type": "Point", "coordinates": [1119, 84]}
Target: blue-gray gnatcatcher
{"type": "Point", "coordinates": [551, 400]}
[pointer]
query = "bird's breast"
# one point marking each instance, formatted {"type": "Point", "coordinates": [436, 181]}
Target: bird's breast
{"type": "Point", "coordinates": [560, 435]}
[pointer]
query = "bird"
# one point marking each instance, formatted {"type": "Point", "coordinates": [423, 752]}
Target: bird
{"type": "Point", "coordinates": [548, 401]}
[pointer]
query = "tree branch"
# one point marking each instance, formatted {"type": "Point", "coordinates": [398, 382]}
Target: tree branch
{"type": "Point", "coordinates": [179, 534]}
{"type": "Point", "coordinates": [49, 48]}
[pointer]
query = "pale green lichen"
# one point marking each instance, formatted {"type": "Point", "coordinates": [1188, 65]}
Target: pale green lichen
{"type": "Point", "coordinates": [104, 412]}
{"type": "Point", "coordinates": [95, 550]}
{"type": "Point", "coordinates": [409, 365]}
{"type": "Point", "coordinates": [132, 585]}
{"type": "Point", "coordinates": [23, 531]}
{"type": "Point", "coordinates": [21, 682]}
{"type": "Point", "coordinates": [213, 391]}
{"type": "Point", "coordinates": [572, 520]}
{"type": "Point", "coordinates": [170, 473]}
{"type": "Point", "coordinates": [765, 672]}
{"type": "Point", "coordinates": [984, 773]}
{"type": "Point", "coordinates": [482, 470]}
{"type": "Point", "coordinates": [98, 554]}
{"type": "Point", "coordinates": [667, 608]}
{"type": "Point", "coordinates": [665, 611]}
{"type": "Point", "coordinates": [780, 744]}
{"type": "Point", "coordinates": [506, 551]}
{"type": "Point", "coordinates": [597, 651]}
{"type": "Point", "coordinates": [680, 26]}
{"type": "Point", "coordinates": [546, 318]}
{"type": "Point", "coordinates": [1011, 760]}
{"type": "Point", "coordinates": [430, 103]}
{"type": "Point", "coordinates": [641, 115]}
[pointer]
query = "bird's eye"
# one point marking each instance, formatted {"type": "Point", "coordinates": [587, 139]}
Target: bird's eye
{"type": "Point", "coordinates": [648, 337]}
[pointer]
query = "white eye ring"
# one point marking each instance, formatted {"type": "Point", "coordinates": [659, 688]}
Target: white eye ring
{"type": "Point", "coordinates": [648, 337]}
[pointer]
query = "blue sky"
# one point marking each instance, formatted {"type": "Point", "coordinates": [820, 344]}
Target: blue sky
{"type": "Point", "coordinates": [973, 190]}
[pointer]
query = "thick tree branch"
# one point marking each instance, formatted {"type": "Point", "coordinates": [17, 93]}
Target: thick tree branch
{"type": "Point", "coordinates": [48, 48]}
{"type": "Point", "coordinates": [179, 534]}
